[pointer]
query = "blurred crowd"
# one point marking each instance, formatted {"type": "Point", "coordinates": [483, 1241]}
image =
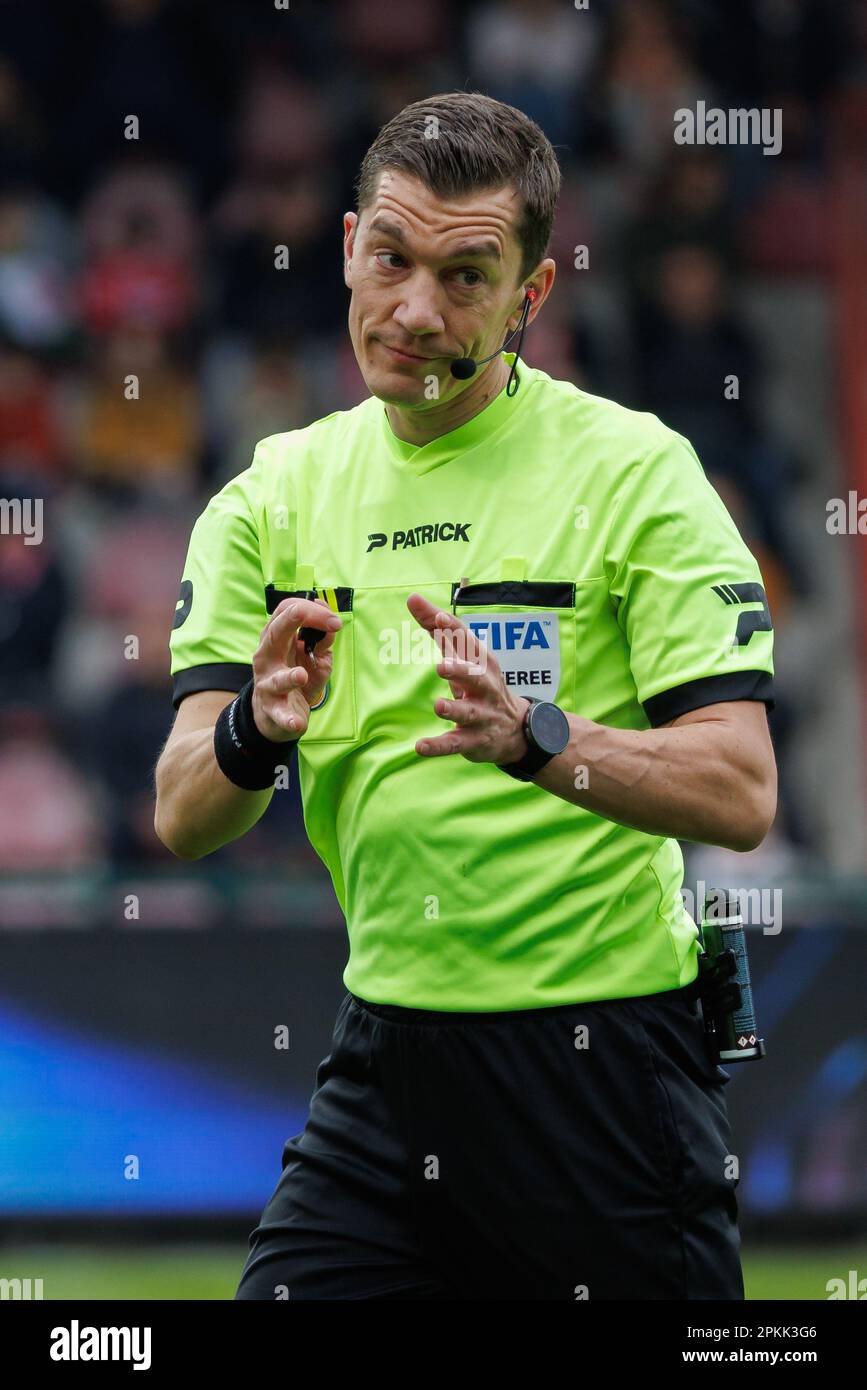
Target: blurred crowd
{"type": "Point", "coordinates": [152, 156]}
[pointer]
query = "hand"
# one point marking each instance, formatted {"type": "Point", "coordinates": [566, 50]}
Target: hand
{"type": "Point", "coordinates": [288, 680]}
{"type": "Point", "coordinates": [719, 991]}
{"type": "Point", "coordinates": [488, 716]}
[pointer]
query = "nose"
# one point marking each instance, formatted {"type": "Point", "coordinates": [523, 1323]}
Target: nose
{"type": "Point", "coordinates": [418, 311]}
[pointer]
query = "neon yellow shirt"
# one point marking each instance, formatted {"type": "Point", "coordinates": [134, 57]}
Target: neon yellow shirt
{"type": "Point", "coordinates": [603, 571]}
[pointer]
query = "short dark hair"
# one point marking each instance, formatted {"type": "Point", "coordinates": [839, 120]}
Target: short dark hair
{"type": "Point", "coordinates": [480, 143]}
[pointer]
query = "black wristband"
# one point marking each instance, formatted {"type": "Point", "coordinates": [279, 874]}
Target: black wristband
{"type": "Point", "coordinates": [243, 754]}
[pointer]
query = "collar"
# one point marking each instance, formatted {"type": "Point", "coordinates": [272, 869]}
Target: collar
{"type": "Point", "coordinates": [420, 458]}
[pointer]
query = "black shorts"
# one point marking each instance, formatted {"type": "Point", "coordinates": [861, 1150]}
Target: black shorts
{"type": "Point", "coordinates": [489, 1156]}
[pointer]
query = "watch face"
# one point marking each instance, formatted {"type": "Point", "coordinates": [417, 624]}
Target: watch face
{"type": "Point", "coordinates": [549, 727]}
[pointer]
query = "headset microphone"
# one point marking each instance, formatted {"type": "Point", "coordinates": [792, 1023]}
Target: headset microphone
{"type": "Point", "coordinates": [464, 367]}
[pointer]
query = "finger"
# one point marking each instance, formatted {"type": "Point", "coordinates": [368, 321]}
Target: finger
{"type": "Point", "coordinates": [424, 612]}
{"type": "Point", "coordinates": [467, 673]}
{"type": "Point", "coordinates": [297, 612]}
{"type": "Point", "coordinates": [319, 649]}
{"type": "Point", "coordinates": [471, 651]}
{"type": "Point", "coordinates": [446, 629]}
{"type": "Point", "coordinates": [312, 632]}
{"type": "Point", "coordinates": [283, 717]}
{"type": "Point", "coordinates": [271, 703]}
{"type": "Point", "coordinates": [287, 719]}
{"type": "Point", "coordinates": [462, 644]}
{"type": "Point", "coordinates": [442, 746]}
{"type": "Point", "coordinates": [457, 687]}
{"type": "Point", "coordinates": [286, 679]}
{"type": "Point", "coordinates": [462, 712]}
{"type": "Point", "coordinates": [285, 622]}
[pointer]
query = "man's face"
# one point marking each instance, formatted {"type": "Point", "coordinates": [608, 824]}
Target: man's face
{"type": "Point", "coordinates": [432, 279]}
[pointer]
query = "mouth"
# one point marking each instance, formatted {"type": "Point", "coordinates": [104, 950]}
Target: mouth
{"type": "Point", "coordinates": [399, 355]}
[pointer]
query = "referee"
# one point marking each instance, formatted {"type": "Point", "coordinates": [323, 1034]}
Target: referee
{"type": "Point", "coordinates": [544, 655]}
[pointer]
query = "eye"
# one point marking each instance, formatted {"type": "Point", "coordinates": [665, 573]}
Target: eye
{"type": "Point", "coordinates": [389, 255]}
{"type": "Point", "coordinates": [472, 282]}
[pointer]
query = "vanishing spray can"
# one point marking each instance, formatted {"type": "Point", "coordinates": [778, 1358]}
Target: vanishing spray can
{"type": "Point", "coordinates": [735, 1031]}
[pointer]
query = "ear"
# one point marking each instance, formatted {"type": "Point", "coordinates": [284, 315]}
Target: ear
{"type": "Point", "coordinates": [542, 281]}
{"type": "Point", "coordinates": [515, 316]}
{"type": "Point", "coordinates": [350, 223]}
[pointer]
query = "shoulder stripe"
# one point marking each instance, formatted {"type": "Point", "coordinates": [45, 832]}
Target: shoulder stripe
{"type": "Point", "coordinates": [709, 690]}
{"type": "Point", "coordinates": [217, 675]}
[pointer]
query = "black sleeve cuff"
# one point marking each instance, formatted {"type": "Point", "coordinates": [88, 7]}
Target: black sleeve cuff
{"type": "Point", "coordinates": [221, 675]}
{"type": "Point", "coordinates": [710, 690]}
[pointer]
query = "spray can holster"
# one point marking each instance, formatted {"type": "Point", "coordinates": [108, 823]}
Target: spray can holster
{"type": "Point", "coordinates": [723, 983]}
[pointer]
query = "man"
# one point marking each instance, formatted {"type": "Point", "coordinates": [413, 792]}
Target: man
{"type": "Point", "coordinates": [518, 1102]}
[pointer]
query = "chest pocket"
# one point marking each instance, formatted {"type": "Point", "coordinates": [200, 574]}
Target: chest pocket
{"type": "Point", "coordinates": [530, 628]}
{"type": "Point", "coordinates": [335, 718]}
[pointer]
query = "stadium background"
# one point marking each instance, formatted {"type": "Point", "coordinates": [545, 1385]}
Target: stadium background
{"type": "Point", "coordinates": [139, 996]}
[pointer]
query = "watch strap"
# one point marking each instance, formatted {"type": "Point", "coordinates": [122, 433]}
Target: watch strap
{"type": "Point", "coordinates": [535, 758]}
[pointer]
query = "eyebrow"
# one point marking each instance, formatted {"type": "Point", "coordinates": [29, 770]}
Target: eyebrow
{"type": "Point", "coordinates": [487, 250]}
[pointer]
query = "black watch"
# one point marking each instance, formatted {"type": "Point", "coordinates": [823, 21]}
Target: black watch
{"type": "Point", "coordinates": [546, 730]}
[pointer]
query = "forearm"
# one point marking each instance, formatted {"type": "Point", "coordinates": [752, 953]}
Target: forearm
{"type": "Point", "coordinates": [198, 809]}
{"type": "Point", "coordinates": [692, 782]}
